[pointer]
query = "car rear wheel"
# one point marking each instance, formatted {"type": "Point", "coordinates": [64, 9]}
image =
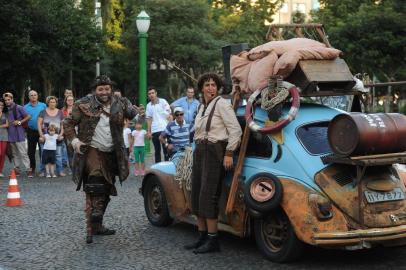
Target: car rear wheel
{"type": "Point", "coordinates": [276, 238]}
{"type": "Point", "coordinates": [155, 204]}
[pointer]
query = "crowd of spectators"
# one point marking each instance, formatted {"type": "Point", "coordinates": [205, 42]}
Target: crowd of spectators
{"type": "Point", "coordinates": [24, 129]}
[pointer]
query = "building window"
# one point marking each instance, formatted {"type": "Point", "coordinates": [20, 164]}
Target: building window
{"type": "Point", "coordinates": [300, 7]}
{"type": "Point", "coordinates": [284, 8]}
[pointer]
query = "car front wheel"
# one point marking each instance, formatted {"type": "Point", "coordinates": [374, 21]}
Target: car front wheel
{"type": "Point", "coordinates": [276, 238]}
{"type": "Point", "coordinates": [156, 206]}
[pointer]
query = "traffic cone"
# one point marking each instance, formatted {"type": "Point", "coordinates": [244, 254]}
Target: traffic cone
{"type": "Point", "coordinates": [13, 196]}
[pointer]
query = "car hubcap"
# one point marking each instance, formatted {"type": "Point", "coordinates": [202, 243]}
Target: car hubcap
{"type": "Point", "coordinates": [155, 202]}
{"type": "Point", "coordinates": [262, 189]}
{"type": "Point", "coordinates": [274, 232]}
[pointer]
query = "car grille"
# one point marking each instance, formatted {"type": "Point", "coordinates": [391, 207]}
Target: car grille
{"type": "Point", "coordinates": [343, 178]}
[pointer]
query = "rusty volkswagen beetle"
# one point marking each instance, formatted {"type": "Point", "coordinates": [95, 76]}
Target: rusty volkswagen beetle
{"type": "Point", "coordinates": [293, 190]}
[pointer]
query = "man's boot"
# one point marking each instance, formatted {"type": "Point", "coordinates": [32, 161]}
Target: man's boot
{"type": "Point", "coordinates": [199, 242]}
{"type": "Point", "coordinates": [89, 239]}
{"type": "Point", "coordinates": [210, 245]}
{"type": "Point", "coordinates": [104, 231]}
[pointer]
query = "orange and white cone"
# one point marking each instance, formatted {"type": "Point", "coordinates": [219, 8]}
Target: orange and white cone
{"type": "Point", "coordinates": [13, 196]}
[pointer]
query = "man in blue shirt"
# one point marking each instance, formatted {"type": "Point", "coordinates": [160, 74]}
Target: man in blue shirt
{"type": "Point", "coordinates": [189, 105]}
{"type": "Point", "coordinates": [177, 133]}
{"type": "Point", "coordinates": [33, 108]}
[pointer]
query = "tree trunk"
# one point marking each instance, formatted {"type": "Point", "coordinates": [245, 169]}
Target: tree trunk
{"type": "Point", "coordinates": [47, 83]}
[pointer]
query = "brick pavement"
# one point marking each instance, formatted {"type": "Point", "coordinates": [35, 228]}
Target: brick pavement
{"type": "Point", "coordinates": [48, 232]}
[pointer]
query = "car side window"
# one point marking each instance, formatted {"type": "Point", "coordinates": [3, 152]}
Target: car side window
{"type": "Point", "coordinates": [314, 138]}
{"type": "Point", "coordinates": [259, 145]}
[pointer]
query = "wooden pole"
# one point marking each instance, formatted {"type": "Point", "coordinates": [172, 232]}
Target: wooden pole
{"type": "Point", "coordinates": [237, 171]}
{"type": "Point", "coordinates": [241, 155]}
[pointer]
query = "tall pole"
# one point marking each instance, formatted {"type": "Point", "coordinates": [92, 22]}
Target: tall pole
{"type": "Point", "coordinates": [99, 25]}
{"type": "Point", "coordinates": [142, 89]}
{"type": "Point", "coordinates": [143, 22]}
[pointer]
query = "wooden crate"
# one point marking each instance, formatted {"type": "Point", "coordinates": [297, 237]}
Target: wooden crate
{"type": "Point", "coordinates": [323, 78]}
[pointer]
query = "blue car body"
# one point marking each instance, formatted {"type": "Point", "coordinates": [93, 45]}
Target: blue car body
{"type": "Point", "coordinates": [296, 162]}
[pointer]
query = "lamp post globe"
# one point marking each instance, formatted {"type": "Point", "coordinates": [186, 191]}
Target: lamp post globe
{"type": "Point", "coordinates": [143, 22]}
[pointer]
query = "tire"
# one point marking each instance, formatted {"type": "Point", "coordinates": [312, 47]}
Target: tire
{"type": "Point", "coordinates": [276, 238]}
{"type": "Point", "coordinates": [254, 213]}
{"type": "Point", "coordinates": [266, 205]}
{"type": "Point", "coordinates": [155, 204]}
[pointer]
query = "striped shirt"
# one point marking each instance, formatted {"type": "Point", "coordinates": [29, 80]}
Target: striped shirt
{"type": "Point", "coordinates": [178, 135]}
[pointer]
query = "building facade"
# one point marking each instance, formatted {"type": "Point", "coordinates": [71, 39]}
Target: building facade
{"type": "Point", "coordinates": [290, 7]}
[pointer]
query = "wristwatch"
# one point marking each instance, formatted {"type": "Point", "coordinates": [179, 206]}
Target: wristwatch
{"type": "Point", "coordinates": [166, 145]}
{"type": "Point", "coordinates": [19, 123]}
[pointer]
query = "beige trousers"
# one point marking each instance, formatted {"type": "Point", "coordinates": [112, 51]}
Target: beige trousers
{"type": "Point", "coordinates": [20, 157]}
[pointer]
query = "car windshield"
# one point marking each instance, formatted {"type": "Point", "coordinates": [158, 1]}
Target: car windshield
{"type": "Point", "coordinates": [313, 137]}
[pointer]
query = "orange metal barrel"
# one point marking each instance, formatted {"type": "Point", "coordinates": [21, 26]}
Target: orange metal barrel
{"type": "Point", "coordinates": [364, 134]}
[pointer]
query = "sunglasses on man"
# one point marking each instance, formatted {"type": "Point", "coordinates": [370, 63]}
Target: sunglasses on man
{"type": "Point", "coordinates": [178, 114]}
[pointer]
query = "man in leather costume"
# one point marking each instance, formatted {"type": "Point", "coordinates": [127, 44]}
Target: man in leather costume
{"type": "Point", "coordinates": [100, 154]}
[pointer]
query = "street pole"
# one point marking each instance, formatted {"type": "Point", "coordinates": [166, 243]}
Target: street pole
{"type": "Point", "coordinates": [143, 21]}
{"type": "Point", "coordinates": [142, 87]}
{"type": "Point", "coordinates": [99, 25]}
{"type": "Point", "coordinates": [97, 66]}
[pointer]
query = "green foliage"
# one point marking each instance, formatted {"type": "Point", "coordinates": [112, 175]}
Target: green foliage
{"type": "Point", "coordinates": [46, 39]}
{"type": "Point", "coordinates": [371, 34]}
{"type": "Point", "coordinates": [180, 32]}
{"type": "Point", "coordinates": [298, 17]}
{"type": "Point", "coordinates": [403, 110]}
{"type": "Point", "coordinates": [243, 21]}
{"type": "Point", "coordinates": [113, 23]}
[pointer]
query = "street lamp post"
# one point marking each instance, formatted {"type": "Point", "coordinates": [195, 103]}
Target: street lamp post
{"type": "Point", "coordinates": [99, 25]}
{"type": "Point", "coordinates": [143, 21]}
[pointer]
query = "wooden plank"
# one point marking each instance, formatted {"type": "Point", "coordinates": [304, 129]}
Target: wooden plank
{"type": "Point", "coordinates": [323, 36]}
{"type": "Point", "coordinates": [400, 154]}
{"type": "Point", "coordinates": [298, 32]}
{"type": "Point", "coordinates": [326, 70]}
{"type": "Point", "coordinates": [237, 171]}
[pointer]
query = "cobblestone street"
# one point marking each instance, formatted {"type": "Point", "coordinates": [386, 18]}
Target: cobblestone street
{"type": "Point", "coordinates": [48, 232]}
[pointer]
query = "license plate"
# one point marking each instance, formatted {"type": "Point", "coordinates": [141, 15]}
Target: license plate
{"type": "Point", "coordinates": [393, 195]}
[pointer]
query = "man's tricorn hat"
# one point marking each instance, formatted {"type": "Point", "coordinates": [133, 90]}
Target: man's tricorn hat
{"type": "Point", "coordinates": [101, 80]}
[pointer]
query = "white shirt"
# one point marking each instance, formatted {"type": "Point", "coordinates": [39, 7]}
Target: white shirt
{"type": "Point", "coordinates": [50, 141]}
{"type": "Point", "coordinates": [159, 113]}
{"type": "Point", "coordinates": [126, 131]}
{"type": "Point", "coordinates": [102, 138]}
{"type": "Point", "coordinates": [139, 136]}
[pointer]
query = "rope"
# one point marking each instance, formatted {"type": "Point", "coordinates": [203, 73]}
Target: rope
{"type": "Point", "coordinates": [274, 94]}
{"type": "Point", "coordinates": [183, 173]}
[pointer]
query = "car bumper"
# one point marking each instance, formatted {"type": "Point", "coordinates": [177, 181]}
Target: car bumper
{"type": "Point", "coordinates": [356, 237]}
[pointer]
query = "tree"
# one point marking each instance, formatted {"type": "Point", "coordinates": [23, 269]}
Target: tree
{"type": "Point", "coordinates": [15, 44]}
{"type": "Point", "coordinates": [180, 32]}
{"type": "Point", "coordinates": [243, 21]}
{"type": "Point", "coordinates": [41, 41]}
{"type": "Point", "coordinates": [372, 34]}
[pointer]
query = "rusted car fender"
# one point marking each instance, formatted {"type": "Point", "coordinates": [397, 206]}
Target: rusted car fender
{"type": "Point", "coordinates": [297, 207]}
{"type": "Point", "coordinates": [175, 197]}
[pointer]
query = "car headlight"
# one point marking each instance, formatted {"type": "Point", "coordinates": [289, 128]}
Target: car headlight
{"type": "Point", "coordinates": [321, 206]}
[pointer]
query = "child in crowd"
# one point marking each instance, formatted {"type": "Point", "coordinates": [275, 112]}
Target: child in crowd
{"type": "Point", "coordinates": [49, 152]}
{"type": "Point", "coordinates": [137, 138]}
{"type": "Point", "coordinates": [126, 135]}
